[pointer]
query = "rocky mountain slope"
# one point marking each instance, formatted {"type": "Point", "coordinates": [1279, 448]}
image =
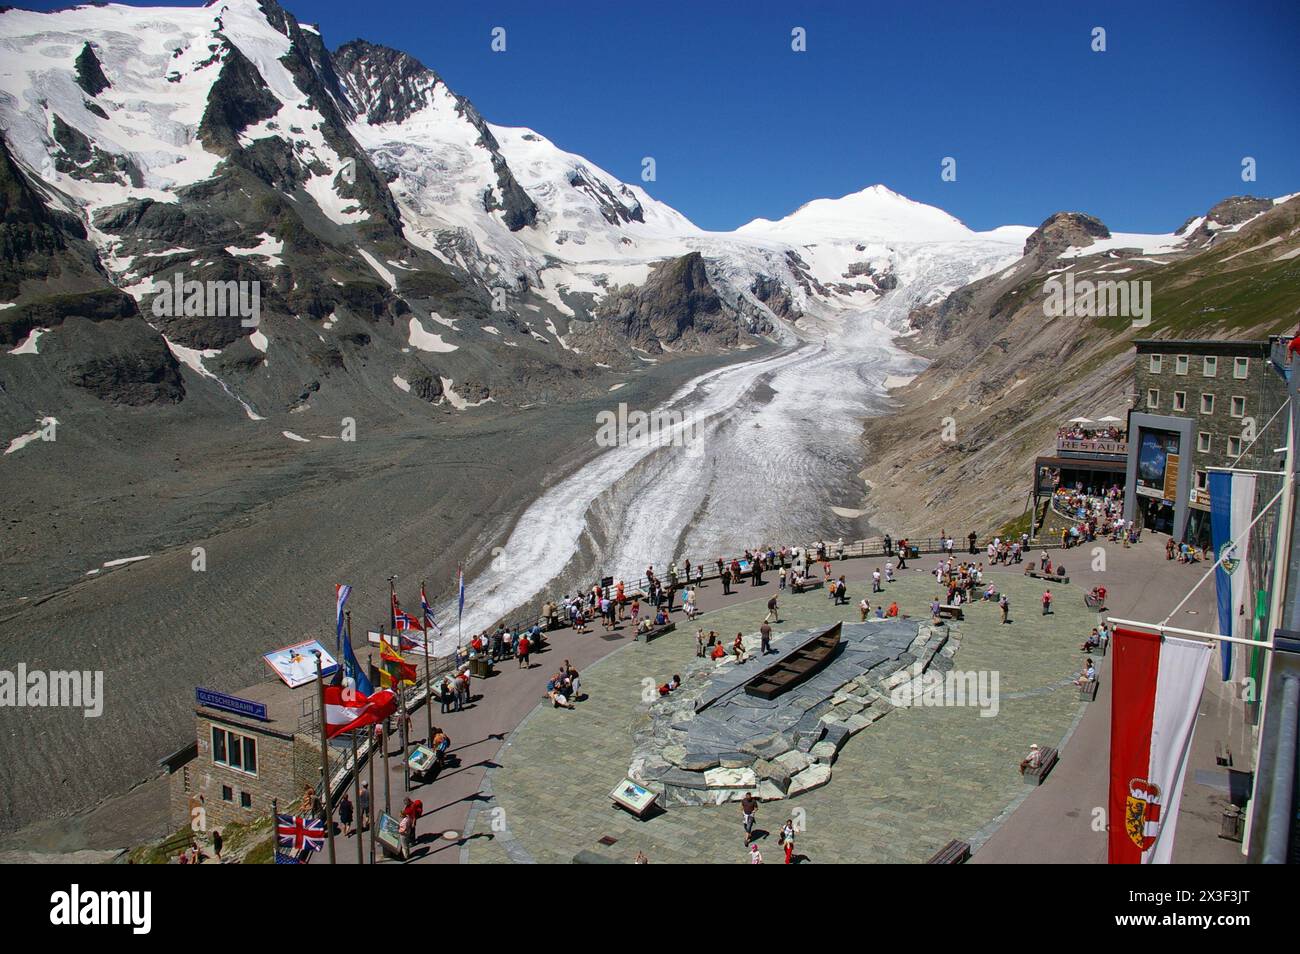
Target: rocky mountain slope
{"type": "Point", "coordinates": [1006, 375]}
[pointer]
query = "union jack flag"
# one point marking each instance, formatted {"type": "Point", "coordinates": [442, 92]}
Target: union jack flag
{"type": "Point", "coordinates": [298, 833]}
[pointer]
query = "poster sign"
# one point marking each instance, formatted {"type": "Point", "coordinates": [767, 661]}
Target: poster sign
{"type": "Point", "coordinates": [1157, 449]}
{"type": "Point", "coordinates": [388, 833]}
{"type": "Point", "coordinates": [422, 758]}
{"type": "Point", "coordinates": [633, 797]}
{"type": "Point", "coordinates": [296, 664]}
{"type": "Point", "coordinates": [1171, 476]}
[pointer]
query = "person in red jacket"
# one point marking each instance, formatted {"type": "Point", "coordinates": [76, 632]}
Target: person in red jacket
{"type": "Point", "coordinates": [522, 652]}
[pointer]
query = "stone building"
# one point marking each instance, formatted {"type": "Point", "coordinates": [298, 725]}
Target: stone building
{"type": "Point", "coordinates": [249, 749]}
{"type": "Point", "coordinates": [1199, 405]}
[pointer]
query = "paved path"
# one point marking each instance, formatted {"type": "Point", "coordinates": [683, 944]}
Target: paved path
{"type": "Point", "coordinates": [1056, 823]}
{"type": "Point", "coordinates": [501, 704]}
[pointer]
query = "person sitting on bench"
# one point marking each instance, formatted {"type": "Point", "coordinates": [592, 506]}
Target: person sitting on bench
{"type": "Point", "coordinates": [1092, 642]}
{"type": "Point", "coordinates": [1033, 759]}
{"type": "Point", "coordinates": [1088, 675]}
{"type": "Point", "coordinates": [892, 611]}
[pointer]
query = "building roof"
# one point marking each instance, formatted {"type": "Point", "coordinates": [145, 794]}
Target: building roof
{"type": "Point", "coordinates": [284, 707]}
{"type": "Point", "coordinates": [1245, 347]}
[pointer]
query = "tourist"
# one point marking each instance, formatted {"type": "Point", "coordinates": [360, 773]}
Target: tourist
{"type": "Point", "coordinates": [719, 652]}
{"type": "Point", "coordinates": [1092, 642]}
{"type": "Point", "coordinates": [688, 604]}
{"type": "Point", "coordinates": [641, 858]}
{"type": "Point", "coordinates": [1033, 759]}
{"type": "Point", "coordinates": [934, 611]}
{"type": "Point", "coordinates": [523, 651]}
{"type": "Point", "coordinates": [345, 817]}
{"type": "Point", "coordinates": [1004, 604]}
{"type": "Point", "coordinates": [748, 806]}
{"type": "Point", "coordinates": [555, 692]}
{"type": "Point", "coordinates": [902, 554]}
{"type": "Point", "coordinates": [726, 581]}
{"type": "Point", "coordinates": [889, 572]}
{"type": "Point", "coordinates": [1047, 602]}
{"type": "Point", "coordinates": [765, 635]}
{"type": "Point", "coordinates": [864, 608]}
{"type": "Point", "coordinates": [773, 615]}
{"type": "Point", "coordinates": [971, 538]}
{"type": "Point", "coordinates": [216, 832]}
{"type": "Point", "coordinates": [786, 840]}
{"type": "Point", "coordinates": [755, 856]}
{"type": "Point", "coordinates": [841, 592]}
{"type": "Point", "coordinates": [892, 611]}
{"type": "Point", "coordinates": [1088, 675]}
{"type": "Point", "coordinates": [781, 578]}
{"type": "Point", "coordinates": [699, 643]}
{"type": "Point", "coordinates": [411, 811]}
{"type": "Point", "coordinates": [363, 806]}
{"type": "Point", "coordinates": [738, 648]}
{"type": "Point", "coordinates": [875, 580]}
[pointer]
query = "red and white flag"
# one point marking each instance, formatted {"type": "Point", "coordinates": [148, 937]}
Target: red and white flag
{"type": "Point", "coordinates": [347, 709]}
{"type": "Point", "coordinates": [1154, 701]}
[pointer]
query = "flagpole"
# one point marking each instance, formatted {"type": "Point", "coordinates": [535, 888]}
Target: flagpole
{"type": "Point", "coordinates": [275, 829]}
{"type": "Point", "coordinates": [388, 801]}
{"type": "Point", "coordinates": [460, 604]}
{"type": "Point", "coordinates": [428, 670]}
{"type": "Point", "coordinates": [356, 795]}
{"type": "Point", "coordinates": [370, 808]}
{"type": "Point", "coordinates": [406, 766]}
{"type": "Point", "coordinates": [325, 758]}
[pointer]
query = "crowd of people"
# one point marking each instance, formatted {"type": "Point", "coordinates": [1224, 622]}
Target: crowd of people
{"type": "Point", "coordinates": [1093, 512]}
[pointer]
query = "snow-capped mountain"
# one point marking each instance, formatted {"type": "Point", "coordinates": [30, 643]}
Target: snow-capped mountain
{"type": "Point", "coordinates": [406, 247]}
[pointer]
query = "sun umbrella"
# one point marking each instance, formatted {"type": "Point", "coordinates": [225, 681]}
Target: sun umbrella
{"type": "Point", "coordinates": [1079, 420]}
{"type": "Point", "coordinates": [1109, 420]}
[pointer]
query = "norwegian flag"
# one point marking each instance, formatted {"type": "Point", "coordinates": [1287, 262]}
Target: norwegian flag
{"type": "Point", "coordinates": [404, 621]}
{"type": "Point", "coordinates": [347, 709]}
{"type": "Point", "coordinates": [298, 834]}
{"type": "Point", "coordinates": [427, 612]}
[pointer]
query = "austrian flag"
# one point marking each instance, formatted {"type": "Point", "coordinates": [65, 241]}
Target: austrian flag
{"type": "Point", "coordinates": [347, 709]}
{"type": "Point", "coordinates": [1155, 698]}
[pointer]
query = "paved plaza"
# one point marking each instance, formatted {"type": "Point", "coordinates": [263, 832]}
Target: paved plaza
{"type": "Point", "coordinates": [901, 788]}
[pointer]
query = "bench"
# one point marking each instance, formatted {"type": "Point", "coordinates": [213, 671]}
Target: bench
{"type": "Point", "coordinates": [809, 584]}
{"type": "Point", "coordinates": [587, 857]}
{"type": "Point", "coordinates": [1222, 754]}
{"type": "Point", "coordinates": [1034, 774]}
{"type": "Point", "coordinates": [654, 633]}
{"type": "Point", "coordinates": [948, 611]}
{"type": "Point", "coordinates": [954, 853]}
{"type": "Point", "coordinates": [1088, 691]}
{"type": "Point", "coordinates": [1049, 577]}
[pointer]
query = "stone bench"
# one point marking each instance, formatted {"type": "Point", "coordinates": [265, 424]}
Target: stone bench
{"type": "Point", "coordinates": [1048, 577]}
{"type": "Point", "coordinates": [949, 611]}
{"type": "Point", "coordinates": [954, 853]}
{"type": "Point", "coordinates": [1088, 691]}
{"type": "Point", "coordinates": [808, 584]}
{"type": "Point", "coordinates": [1034, 774]}
{"type": "Point", "coordinates": [654, 633]}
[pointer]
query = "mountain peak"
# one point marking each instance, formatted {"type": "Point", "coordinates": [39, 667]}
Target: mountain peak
{"type": "Point", "coordinates": [874, 213]}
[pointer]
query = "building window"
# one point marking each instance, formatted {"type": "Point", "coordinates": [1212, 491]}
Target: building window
{"type": "Point", "coordinates": [1240, 367]}
{"type": "Point", "coordinates": [1207, 403]}
{"type": "Point", "coordinates": [234, 750]}
{"type": "Point", "coordinates": [1204, 441]}
{"type": "Point", "coordinates": [1153, 398]}
{"type": "Point", "coordinates": [227, 793]}
{"type": "Point", "coordinates": [1238, 407]}
{"type": "Point", "coordinates": [245, 800]}
{"type": "Point", "coordinates": [1155, 364]}
{"type": "Point", "coordinates": [1180, 400]}
{"type": "Point", "coordinates": [1180, 364]}
{"type": "Point", "coordinates": [1234, 447]}
{"type": "Point", "coordinates": [1210, 366]}
{"type": "Point", "coordinates": [1201, 480]}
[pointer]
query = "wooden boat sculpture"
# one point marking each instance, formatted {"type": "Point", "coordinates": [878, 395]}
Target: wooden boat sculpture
{"type": "Point", "coordinates": [799, 665]}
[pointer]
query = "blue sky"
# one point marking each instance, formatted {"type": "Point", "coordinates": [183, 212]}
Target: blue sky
{"type": "Point", "coordinates": [1144, 135]}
